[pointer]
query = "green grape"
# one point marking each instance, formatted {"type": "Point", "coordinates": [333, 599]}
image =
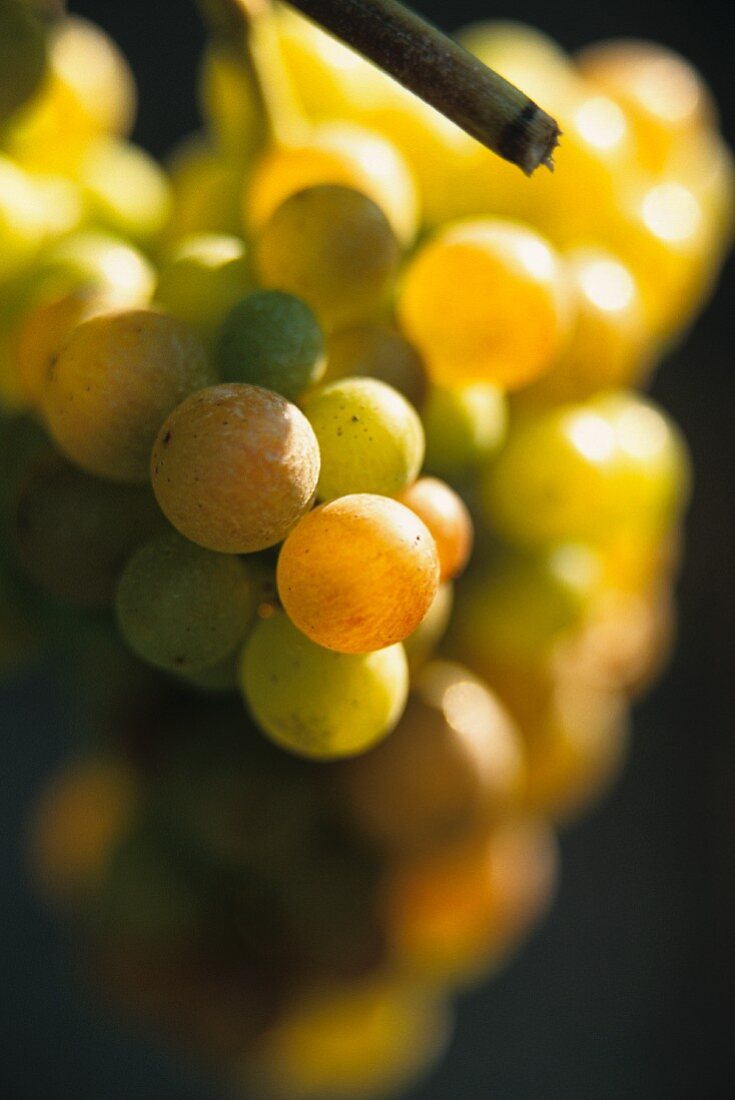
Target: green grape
{"type": "Point", "coordinates": [234, 467]}
{"type": "Point", "coordinates": [334, 248]}
{"type": "Point", "coordinates": [272, 339]}
{"type": "Point", "coordinates": [113, 383]}
{"type": "Point", "coordinates": [201, 279]}
{"type": "Point", "coordinates": [183, 608]}
{"type": "Point", "coordinates": [377, 351]}
{"type": "Point", "coordinates": [73, 533]}
{"type": "Point", "coordinates": [125, 189]}
{"type": "Point", "coordinates": [463, 428]}
{"type": "Point", "coordinates": [22, 56]}
{"type": "Point", "coordinates": [370, 438]}
{"type": "Point", "coordinates": [317, 703]}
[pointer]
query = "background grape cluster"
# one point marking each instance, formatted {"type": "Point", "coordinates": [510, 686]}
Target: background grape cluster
{"type": "Point", "coordinates": [321, 902]}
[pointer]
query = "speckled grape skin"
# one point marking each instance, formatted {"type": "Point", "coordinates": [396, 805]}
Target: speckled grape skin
{"type": "Point", "coordinates": [358, 573]}
{"type": "Point", "coordinates": [317, 703]}
{"type": "Point", "coordinates": [114, 382]}
{"type": "Point", "coordinates": [370, 438]}
{"type": "Point", "coordinates": [234, 467]}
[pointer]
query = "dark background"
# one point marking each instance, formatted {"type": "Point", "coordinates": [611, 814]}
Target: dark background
{"type": "Point", "coordinates": [627, 989]}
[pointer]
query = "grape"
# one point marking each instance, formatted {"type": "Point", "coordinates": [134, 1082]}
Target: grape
{"type": "Point", "coordinates": [115, 380]}
{"type": "Point", "coordinates": [358, 574]}
{"type": "Point", "coordinates": [125, 189]}
{"type": "Point", "coordinates": [22, 220]}
{"type": "Point", "coordinates": [271, 339]}
{"type": "Point", "coordinates": [457, 910]}
{"type": "Point", "coordinates": [377, 351]}
{"type": "Point", "coordinates": [420, 645]}
{"type": "Point", "coordinates": [485, 301]}
{"type": "Point", "coordinates": [317, 703]}
{"type": "Point", "coordinates": [234, 467]}
{"type": "Point", "coordinates": [452, 762]}
{"type": "Point", "coordinates": [463, 428]}
{"type": "Point", "coordinates": [336, 153]}
{"type": "Point", "coordinates": [610, 344]}
{"type": "Point", "coordinates": [334, 248]}
{"type": "Point", "coordinates": [362, 1039]}
{"type": "Point", "coordinates": [102, 261]}
{"type": "Point", "coordinates": [201, 279]}
{"type": "Point", "coordinates": [448, 520]}
{"type": "Point", "coordinates": [73, 533]}
{"type": "Point", "coordinates": [89, 90]}
{"type": "Point", "coordinates": [664, 97]}
{"type": "Point", "coordinates": [583, 471]}
{"type": "Point", "coordinates": [77, 823]}
{"type": "Point", "coordinates": [22, 56]}
{"type": "Point", "coordinates": [370, 438]}
{"type": "Point", "coordinates": [183, 608]}
{"type": "Point", "coordinates": [44, 330]}
{"type": "Point", "coordinates": [206, 191]}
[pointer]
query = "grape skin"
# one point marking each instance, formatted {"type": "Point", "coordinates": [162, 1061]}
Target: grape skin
{"type": "Point", "coordinates": [234, 467]}
{"type": "Point", "coordinates": [359, 573]}
{"type": "Point", "coordinates": [317, 703]}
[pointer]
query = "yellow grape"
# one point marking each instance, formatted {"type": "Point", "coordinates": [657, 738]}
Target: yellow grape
{"type": "Point", "coordinates": [447, 518]}
{"type": "Point", "coordinates": [113, 383]}
{"type": "Point", "coordinates": [317, 703]}
{"type": "Point", "coordinates": [207, 191]}
{"type": "Point", "coordinates": [359, 573]}
{"type": "Point", "coordinates": [336, 153]}
{"type": "Point", "coordinates": [464, 427]}
{"type": "Point", "coordinates": [663, 95]}
{"type": "Point", "coordinates": [369, 1038]}
{"type": "Point", "coordinates": [89, 90]}
{"type": "Point", "coordinates": [333, 247]}
{"type": "Point", "coordinates": [485, 301]}
{"type": "Point", "coordinates": [453, 761]}
{"type": "Point", "coordinates": [125, 189]}
{"type": "Point", "coordinates": [234, 467]}
{"type": "Point", "coordinates": [377, 351]}
{"type": "Point", "coordinates": [23, 225]}
{"type": "Point", "coordinates": [98, 259]}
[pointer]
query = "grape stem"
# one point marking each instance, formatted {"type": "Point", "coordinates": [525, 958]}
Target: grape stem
{"type": "Point", "coordinates": [440, 71]}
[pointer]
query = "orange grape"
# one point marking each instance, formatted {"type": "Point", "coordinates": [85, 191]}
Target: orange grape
{"type": "Point", "coordinates": [359, 573]}
{"type": "Point", "coordinates": [447, 517]}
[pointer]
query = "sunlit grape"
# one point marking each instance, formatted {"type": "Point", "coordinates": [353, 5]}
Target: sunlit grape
{"type": "Point", "coordinates": [334, 248]}
{"type": "Point", "coordinates": [370, 438]}
{"type": "Point", "coordinates": [202, 277]}
{"type": "Point", "coordinates": [377, 351]}
{"type": "Point", "coordinates": [359, 573]}
{"type": "Point", "coordinates": [184, 608]}
{"type": "Point", "coordinates": [485, 301]}
{"type": "Point", "coordinates": [448, 520]}
{"type": "Point", "coordinates": [318, 703]}
{"type": "Point", "coordinates": [100, 260]}
{"type": "Point", "coordinates": [113, 383]}
{"type": "Point", "coordinates": [271, 339]}
{"type": "Point", "coordinates": [125, 189]}
{"type": "Point", "coordinates": [234, 467]}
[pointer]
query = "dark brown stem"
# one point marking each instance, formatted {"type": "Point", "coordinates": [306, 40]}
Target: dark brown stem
{"type": "Point", "coordinates": [440, 71]}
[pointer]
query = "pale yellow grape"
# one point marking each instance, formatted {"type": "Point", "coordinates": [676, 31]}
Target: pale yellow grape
{"type": "Point", "coordinates": [125, 189]}
{"type": "Point", "coordinates": [333, 247]}
{"type": "Point", "coordinates": [101, 260]}
{"type": "Point", "coordinates": [234, 467]}
{"type": "Point", "coordinates": [377, 351]}
{"type": "Point", "coordinates": [22, 220]}
{"type": "Point", "coordinates": [202, 277]}
{"type": "Point", "coordinates": [486, 301]}
{"type": "Point", "coordinates": [114, 382]}
{"type": "Point", "coordinates": [370, 438]}
{"type": "Point", "coordinates": [317, 703]}
{"type": "Point", "coordinates": [336, 153]}
{"type": "Point", "coordinates": [89, 90]}
{"type": "Point", "coordinates": [463, 427]}
{"type": "Point", "coordinates": [359, 573]}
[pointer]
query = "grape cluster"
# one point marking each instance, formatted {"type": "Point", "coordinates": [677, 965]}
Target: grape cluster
{"type": "Point", "coordinates": [327, 478]}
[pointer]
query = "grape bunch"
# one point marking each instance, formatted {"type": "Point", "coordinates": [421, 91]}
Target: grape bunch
{"type": "Point", "coordinates": [328, 480]}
